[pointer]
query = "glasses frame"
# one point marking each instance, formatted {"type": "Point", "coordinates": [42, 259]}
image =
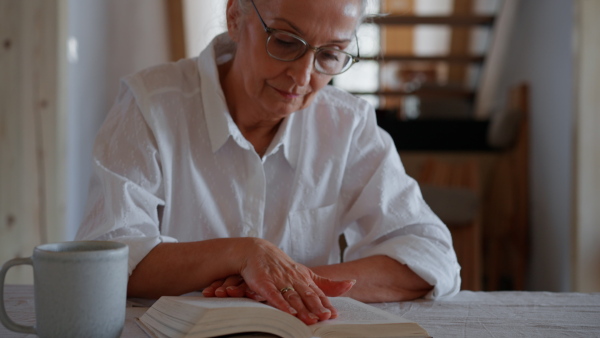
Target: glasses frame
{"type": "Point", "coordinates": [270, 31]}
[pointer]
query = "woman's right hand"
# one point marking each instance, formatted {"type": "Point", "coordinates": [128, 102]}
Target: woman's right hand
{"type": "Point", "coordinates": [266, 272]}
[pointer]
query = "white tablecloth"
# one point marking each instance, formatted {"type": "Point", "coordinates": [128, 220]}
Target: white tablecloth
{"type": "Point", "coordinates": [506, 314]}
{"type": "Point", "coordinates": [469, 314]}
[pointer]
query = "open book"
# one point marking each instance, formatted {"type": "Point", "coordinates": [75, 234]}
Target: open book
{"type": "Point", "coordinates": [210, 317]}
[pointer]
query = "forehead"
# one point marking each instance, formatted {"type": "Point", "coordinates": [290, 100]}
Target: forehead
{"type": "Point", "coordinates": [325, 19]}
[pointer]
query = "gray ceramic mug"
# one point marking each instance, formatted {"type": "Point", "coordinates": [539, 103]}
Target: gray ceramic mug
{"type": "Point", "coordinates": [80, 289]}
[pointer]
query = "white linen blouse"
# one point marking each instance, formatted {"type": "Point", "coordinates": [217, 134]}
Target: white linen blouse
{"type": "Point", "coordinates": [170, 165]}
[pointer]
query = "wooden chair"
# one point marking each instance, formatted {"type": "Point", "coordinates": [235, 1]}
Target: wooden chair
{"type": "Point", "coordinates": [453, 192]}
{"type": "Point", "coordinates": [483, 198]}
{"type": "Point", "coordinates": [506, 234]}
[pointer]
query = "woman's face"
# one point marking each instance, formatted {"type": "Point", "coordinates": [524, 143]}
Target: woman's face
{"type": "Point", "coordinates": [279, 88]}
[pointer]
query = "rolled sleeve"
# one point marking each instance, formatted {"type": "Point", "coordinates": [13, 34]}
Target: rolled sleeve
{"type": "Point", "coordinates": [434, 263]}
{"type": "Point", "coordinates": [126, 186]}
{"type": "Point", "coordinates": [388, 215]}
{"type": "Point", "coordinates": [139, 246]}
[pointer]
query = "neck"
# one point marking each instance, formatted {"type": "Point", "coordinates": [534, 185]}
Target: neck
{"type": "Point", "coordinates": [257, 126]}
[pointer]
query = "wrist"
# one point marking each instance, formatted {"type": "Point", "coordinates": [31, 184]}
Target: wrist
{"type": "Point", "coordinates": [239, 250]}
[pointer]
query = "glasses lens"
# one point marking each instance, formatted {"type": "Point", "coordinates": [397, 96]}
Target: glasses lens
{"type": "Point", "coordinates": [332, 61]}
{"type": "Point", "coordinates": [288, 47]}
{"type": "Point", "coordinates": [285, 47]}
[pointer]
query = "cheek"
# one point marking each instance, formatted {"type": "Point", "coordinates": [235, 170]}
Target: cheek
{"type": "Point", "coordinates": [317, 83]}
{"type": "Point", "coordinates": [308, 99]}
{"type": "Point", "coordinates": [256, 69]}
{"type": "Point", "coordinates": [253, 54]}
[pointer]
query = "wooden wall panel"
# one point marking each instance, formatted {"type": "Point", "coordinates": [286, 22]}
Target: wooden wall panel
{"type": "Point", "coordinates": [31, 132]}
{"type": "Point", "coordinates": [586, 227]}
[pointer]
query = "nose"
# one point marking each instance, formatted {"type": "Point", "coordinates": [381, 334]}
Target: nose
{"type": "Point", "coordinates": [301, 69]}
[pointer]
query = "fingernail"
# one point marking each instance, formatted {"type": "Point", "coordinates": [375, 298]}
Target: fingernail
{"type": "Point", "coordinates": [231, 288]}
{"type": "Point", "coordinates": [353, 281]}
{"type": "Point", "coordinates": [292, 311]}
{"type": "Point", "coordinates": [313, 316]}
{"type": "Point", "coordinates": [325, 310]}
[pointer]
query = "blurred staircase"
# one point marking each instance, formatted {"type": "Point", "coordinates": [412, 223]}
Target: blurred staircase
{"type": "Point", "coordinates": [468, 153]}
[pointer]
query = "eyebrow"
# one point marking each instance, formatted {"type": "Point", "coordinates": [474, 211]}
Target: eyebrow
{"type": "Point", "coordinates": [301, 33]}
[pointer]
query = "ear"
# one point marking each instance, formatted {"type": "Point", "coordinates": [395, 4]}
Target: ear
{"type": "Point", "coordinates": [233, 15]}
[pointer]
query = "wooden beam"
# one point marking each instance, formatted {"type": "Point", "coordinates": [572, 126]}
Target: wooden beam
{"type": "Point", "coordinates": [451, 20]}
{"type": "Point", "coordinates": [176, 29]}
{"type": "Point", "coordinates": [426, 92]}
{"type": "Point", "coordinates": [460, 41]}
{"type": "Point", "coordinates": [396, 40]}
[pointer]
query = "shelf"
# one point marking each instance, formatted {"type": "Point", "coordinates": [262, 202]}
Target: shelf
{"type": "Point", "coordinates": [435, 134]}
{"type": "Point", "coordinates": [437, 92]}
{"type": "Point", "coordinates": [437, 58]}
{"type": "Point", "coordinates": [450, 20]}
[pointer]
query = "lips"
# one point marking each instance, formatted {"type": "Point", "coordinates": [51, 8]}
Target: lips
{"type": "Point", "coordinates": [288, 95]}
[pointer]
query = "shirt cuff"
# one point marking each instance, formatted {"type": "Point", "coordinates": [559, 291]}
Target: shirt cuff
{"type": "Point", "coordinates": [139, 247]}
{"type": "Point", "coordinates": [433, 262]}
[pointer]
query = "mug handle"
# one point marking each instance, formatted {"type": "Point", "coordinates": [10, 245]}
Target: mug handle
{"type": "Point", "coordinates": [6, 321]}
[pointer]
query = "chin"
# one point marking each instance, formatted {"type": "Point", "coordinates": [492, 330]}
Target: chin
{"type": "Point", "coordinates": [305, 102]}
{"type": "Point", "coordinates": [286, 111]}
{"type": "Point", "coordinates": [288, 108]}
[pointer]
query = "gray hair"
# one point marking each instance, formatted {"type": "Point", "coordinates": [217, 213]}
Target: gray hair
{"type": "Point", "coordinates": [246, 6]}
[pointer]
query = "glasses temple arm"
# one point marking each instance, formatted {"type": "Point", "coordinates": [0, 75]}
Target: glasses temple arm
{"type": "Point", "coordinates": [357, 58]}
{"type": "Point", "coordinates": [259, 16]}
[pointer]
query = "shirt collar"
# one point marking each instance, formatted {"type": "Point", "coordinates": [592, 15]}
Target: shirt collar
{"type": "Point", "coordinates": [218, 119]}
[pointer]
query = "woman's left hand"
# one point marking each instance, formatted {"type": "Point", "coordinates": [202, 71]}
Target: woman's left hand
{"type": "Point", "coordinates": [232, 286]}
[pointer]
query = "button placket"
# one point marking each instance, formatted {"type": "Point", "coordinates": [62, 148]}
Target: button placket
{"type": "Point", "coordinates": [254, 204]}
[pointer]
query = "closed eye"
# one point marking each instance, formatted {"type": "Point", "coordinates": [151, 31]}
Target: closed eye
{"type": "Point", "coordinates": [329, 56]}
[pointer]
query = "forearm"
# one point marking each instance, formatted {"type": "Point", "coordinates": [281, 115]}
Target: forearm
{"type": "Point", "coordinates": [378, 279]}
{"type": "Point", "coordinates": [177, 268]}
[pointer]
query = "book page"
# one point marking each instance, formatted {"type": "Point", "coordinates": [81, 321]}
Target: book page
{"type": "Point", "coordinates": [213, 302]}
{"type": "Point", "coordinates": [224, 316]}
{"type": "Point", "coordinates": [207, 317]}
{"type": "Point", "coordinates": [356, 319]}
{"type": "Point", "coordinates": [177, 316]}
{"type": "Point", "coordinates": [355, 312]}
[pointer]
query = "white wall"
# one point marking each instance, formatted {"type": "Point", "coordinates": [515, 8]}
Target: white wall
{"type": "Point", "coordinates": [203, 20]}
{"type": "Point", "coordinates": [107, 40]}
{"type": "Point", "coordinates": [110, 39]}
{"type": "Point", "coordinates": [540, 52]}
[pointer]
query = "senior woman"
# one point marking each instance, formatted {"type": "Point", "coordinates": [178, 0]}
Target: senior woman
{"type": "Point", "coordinates": [237, 171]}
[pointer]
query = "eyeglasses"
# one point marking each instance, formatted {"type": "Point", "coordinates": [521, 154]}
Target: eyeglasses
{"type": "Point", "coordinates": [285, 46]}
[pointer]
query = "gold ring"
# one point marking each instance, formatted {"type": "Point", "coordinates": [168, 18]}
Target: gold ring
{"type": "Point", "coordinates": [286, 289]}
